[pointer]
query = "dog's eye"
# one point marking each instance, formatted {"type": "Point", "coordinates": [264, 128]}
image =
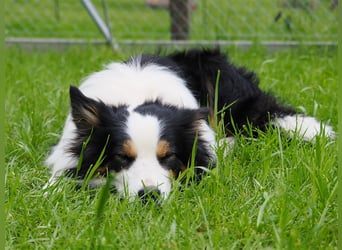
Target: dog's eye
{"type": "Point", "coordinates": [125, 158]}
{"type": "Point", "coordinates": [166, 157]}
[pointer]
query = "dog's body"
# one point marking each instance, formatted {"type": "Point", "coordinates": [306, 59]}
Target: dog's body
{"type": "Point", "coordinates": [145, 115]}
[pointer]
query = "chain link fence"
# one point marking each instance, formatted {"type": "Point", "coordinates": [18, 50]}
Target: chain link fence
{"type": "Point", "coordinates": [151, 20]}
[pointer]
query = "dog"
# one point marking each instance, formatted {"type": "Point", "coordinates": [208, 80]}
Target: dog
{"type": "Point", "coordinates": [147, 118]}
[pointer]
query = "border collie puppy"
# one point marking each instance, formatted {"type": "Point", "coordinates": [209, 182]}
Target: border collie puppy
{"type": "Point", "coordinates": [141, 119]}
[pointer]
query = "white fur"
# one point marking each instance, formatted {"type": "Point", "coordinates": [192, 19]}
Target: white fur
{"type": "Point", "coordinates": [208, 135]}
{"type": "Point", "coordinates": [306, 127]}
{"type": "Point", "coordinates": [60, 159]}
{"type": "Point", "coordinates": [132, 84]}
{"type": "Point", "coordinates": [227, 144]}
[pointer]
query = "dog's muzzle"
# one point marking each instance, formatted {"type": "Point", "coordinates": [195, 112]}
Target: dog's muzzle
{"type": "Point", "coordinates": [149, 193]}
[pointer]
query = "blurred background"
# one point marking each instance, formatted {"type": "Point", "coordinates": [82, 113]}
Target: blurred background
{"type": "Point", "coordinates": [120, 22]}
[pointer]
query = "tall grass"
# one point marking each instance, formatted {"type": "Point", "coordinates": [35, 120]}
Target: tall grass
{"type": "Point", "coordinates": [269, 192]}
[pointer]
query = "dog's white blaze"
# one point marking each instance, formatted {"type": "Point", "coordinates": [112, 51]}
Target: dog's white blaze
{"type": "Point", "coordinates": [144, 132]}
{"type": "Point", "coordinates": [305, 126]}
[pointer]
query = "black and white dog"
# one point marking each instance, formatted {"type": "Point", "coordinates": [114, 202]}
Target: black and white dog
{"type": "Point", "coordinates": [144, 115]}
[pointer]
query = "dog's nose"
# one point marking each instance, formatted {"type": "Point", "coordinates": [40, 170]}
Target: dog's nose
{"type": "Point", "coordinates": [150, 192]}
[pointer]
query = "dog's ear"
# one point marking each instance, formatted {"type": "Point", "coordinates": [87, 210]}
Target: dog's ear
{"type": "Point", "coordinates": [188, 119]}
{"type": "Point", "coordinates": [84, 111]}
{"type": "Point", "coordinates": [195, 115]}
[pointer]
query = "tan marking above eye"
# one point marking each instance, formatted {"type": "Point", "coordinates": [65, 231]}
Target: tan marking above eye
{"type": "Point", "coordinates": [163, 149]}
{"type": "Point", "coordinates": [128, 149]}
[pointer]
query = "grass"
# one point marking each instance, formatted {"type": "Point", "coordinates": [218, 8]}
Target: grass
{"type": "Point", "coordinates": [268, 193]}
{"type": "Point", "coordinates": [212, 20]}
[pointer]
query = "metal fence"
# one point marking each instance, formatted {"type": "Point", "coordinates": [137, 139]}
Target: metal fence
{"type": "Point", "coordinates": [150, 20]}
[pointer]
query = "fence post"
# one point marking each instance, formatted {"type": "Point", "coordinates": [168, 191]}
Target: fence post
{"type": "Point", "coordinates": [88, 5]}
{"type": "Point", "coordinates": [180, 19]}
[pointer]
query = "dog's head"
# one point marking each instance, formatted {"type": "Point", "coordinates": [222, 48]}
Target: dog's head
{"type": "Point", "coordinates": [144, 146]}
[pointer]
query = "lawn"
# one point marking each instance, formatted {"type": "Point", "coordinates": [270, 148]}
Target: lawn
{"type": "Point", "coordinates": [268, 193]}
